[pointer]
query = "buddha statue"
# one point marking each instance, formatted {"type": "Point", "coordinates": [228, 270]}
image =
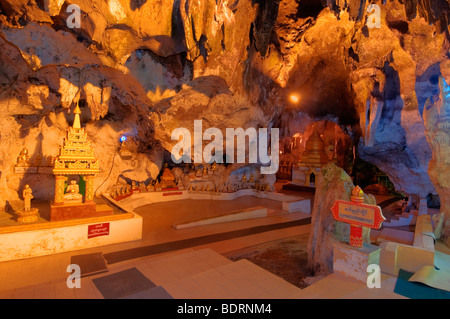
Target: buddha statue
{"type": "Point", "coordinates": [27, 196]}
{"type": "Point", "coordinates": [134, 187]}
{"type": "Point", "coordinates": [28, 214]}
{"type": "Point", "coordinates": [50, 161]}
{"type": "Point", "coordinates": [24, 159]}
{"type": "Point", "coordinates": [38, 161]}
{"type": "Point", "coordinates": [205, 172]}
{"type": "Point", "coordinates": [73, 193]}
{"type": "Point", "coordinates": [167, 178]}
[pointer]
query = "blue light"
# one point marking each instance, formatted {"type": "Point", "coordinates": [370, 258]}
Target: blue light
{"type": "Point", "coordinates": [123, 138]}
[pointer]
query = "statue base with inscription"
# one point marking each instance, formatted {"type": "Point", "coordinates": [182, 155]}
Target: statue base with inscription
{"type": "Point", "coordinates": [28, 216]}
{"type": "Point", "coordinates": [353, 262]}
{"type": "Point", "coordinates": [78, 211]}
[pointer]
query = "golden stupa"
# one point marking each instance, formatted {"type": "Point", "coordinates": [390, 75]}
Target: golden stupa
{"type": "Point", "coordinates": [76, 157]}
{"type": "Point", "coordinates": [311, 161]}
{"type": "Point", "coordinates": [314, 154]}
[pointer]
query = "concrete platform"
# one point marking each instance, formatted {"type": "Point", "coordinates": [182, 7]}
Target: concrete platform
{"type": "Point", "coordinates": [40, 239]}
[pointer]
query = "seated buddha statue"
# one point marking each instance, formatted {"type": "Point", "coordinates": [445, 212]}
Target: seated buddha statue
{"type": "Point", "coordinates": [167, 178]}
{"type": "Point", "coordinates": [24, 159]}
{"type": "Point", "coordinates": [73, 193]}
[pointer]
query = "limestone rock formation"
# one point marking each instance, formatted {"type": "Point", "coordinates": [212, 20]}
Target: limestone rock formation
{"type": "Point", "coordinates": [437, 122]}
{"type": "Point", "coordinates": [332, 184]}
{"type": "Point", "coordinates": [142, 68]}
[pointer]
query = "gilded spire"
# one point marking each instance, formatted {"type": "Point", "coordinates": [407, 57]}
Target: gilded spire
{"type": "Point", "coordinates": [76, 121]}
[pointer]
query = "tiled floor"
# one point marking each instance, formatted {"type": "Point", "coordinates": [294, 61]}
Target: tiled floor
{"type": "Point", "coordinates": [205, 274]}
{"type": "Point", "coordinates": [336, 286]}
{"type": "Point", "coordinates": [51, 271]}
{"type": "Point", "coordinates": [199, 272]}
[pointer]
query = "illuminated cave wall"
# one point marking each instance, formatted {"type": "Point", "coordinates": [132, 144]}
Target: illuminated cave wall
{"type": "Point", "coordinates": [144, 68]}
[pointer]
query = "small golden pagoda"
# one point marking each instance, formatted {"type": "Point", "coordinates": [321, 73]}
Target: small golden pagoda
{"type": "Point", "coordinates": [311, 161]}
{"type": "Point", "coordinates": [76, 157]}
{"type": "Point", "coordinates": [314, 154]}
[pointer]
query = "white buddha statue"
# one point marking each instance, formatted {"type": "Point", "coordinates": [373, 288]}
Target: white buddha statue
{"type": "Point", "coordinates": [73, 193]}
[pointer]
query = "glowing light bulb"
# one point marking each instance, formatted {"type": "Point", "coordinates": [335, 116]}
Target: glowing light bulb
{"type": "Point", "coordinates": [123, 138]}
{"type": "Point", "coordinates": [294, 98]}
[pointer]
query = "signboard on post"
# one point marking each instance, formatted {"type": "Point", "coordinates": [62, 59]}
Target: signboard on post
{"type": "Point", "coordinates": [358, 215]}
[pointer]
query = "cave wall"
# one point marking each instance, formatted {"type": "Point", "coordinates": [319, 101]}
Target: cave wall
{"type": "Point", "coordinates": [144, 67]}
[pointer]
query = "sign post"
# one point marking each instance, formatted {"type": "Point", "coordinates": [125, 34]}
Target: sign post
{"type": "Point", "coordinates": [358, 215]}
{"type": "Point", "coordinates": [353, 260]}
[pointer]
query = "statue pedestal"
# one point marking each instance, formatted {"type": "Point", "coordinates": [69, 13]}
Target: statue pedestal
{"type": "Point", "coordinates": [28, 216]}
{"type": "Point", "coordinates": [78, 211]}
{"type": "Point", "coordinates": [352, 262]}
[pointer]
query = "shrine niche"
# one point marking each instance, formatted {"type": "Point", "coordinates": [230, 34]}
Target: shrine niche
{"type": "Point", "coordinates": [74, 169]}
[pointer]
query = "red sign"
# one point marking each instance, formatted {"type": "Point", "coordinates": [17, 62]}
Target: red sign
{"type": "Point", "coordinates": [172, 193]}
{"type": "Point", "coordinates": [98, 230]}
{"type": "Point", "coordinates": [358, 214]}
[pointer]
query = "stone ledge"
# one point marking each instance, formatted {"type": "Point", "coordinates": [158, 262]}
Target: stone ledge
{"type": "Point", "coordinates": [250, 213]}
{"type": "Point", "coordinates": [353, 262]}
{"type": "Point", "coordinates": [73, 222]}
{"type": "Point", "coordinates": [419, 253]}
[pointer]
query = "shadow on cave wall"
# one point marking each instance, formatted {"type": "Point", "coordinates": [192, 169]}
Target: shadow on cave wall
{"type": "Point", "coordinates": [390, 152]}
{"type": "Point", "coordinates": [137, 4]}
{"type": "Point", "coordinates": [427, 86]}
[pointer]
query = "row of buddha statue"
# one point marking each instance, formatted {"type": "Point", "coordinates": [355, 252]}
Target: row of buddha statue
{"type": "Point", "coordinates": [120, 191]}
{"type": "Point", "coordinates": [199, 180]}
{"type": "Point", "coordinates": [229, 188]}
{"type": "Point", "coordinates": [24, 160]}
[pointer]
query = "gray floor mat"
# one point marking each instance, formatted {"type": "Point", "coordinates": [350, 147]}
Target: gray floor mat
{"type": "Point", "coordinates": [122, 284]}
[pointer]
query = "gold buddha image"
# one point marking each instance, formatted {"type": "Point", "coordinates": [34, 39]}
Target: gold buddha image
{"type": "Point", "coordinates": [24, 159]}
{"type": "Point", "coordinates": [167, 178]}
